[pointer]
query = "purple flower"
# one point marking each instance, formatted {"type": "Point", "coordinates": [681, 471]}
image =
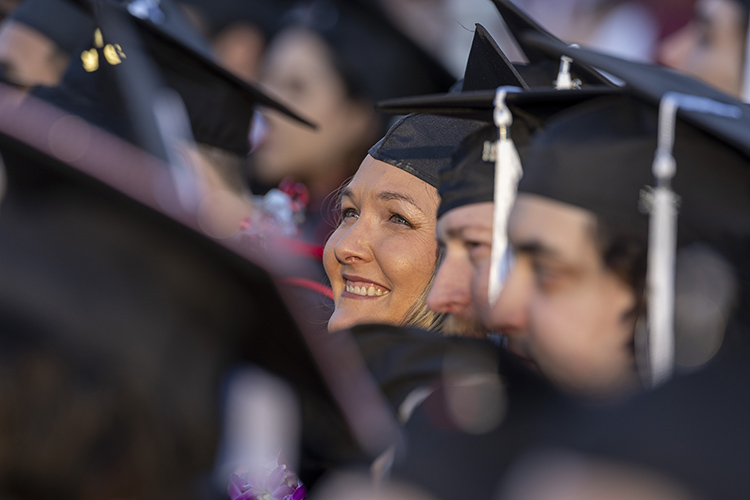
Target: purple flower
{"type": "Point", "coordinates": [278, 483]}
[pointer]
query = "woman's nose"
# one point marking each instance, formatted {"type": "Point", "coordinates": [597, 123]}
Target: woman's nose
{"type": "Point", "coordinates": [355, 244]}
{"type": "Point", "coordinates": [510, 313]}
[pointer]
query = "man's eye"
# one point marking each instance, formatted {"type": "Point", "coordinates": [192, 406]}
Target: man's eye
{"type": "Point", "coordinates": [546, 276]}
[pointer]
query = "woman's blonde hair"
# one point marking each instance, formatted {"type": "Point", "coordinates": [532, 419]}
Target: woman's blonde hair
{"type": "Point", "coordinates": [421, 316]}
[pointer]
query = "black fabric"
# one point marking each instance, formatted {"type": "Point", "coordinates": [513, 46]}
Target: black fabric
{"type": "Point", "coordinates": [448, 462]}
{"type": "Point", "coordinates": [470, 177]}
{"type": "Point", "coordinates": [266, 15]}
{"type": "Point", "coordinates": [422, 144]}
{"type": "Point", "coordinates": [487, 66]}
{"type": "Point", "coordinates": [64, 22]}
{"type": "Point", "coordinates": [693, 430]}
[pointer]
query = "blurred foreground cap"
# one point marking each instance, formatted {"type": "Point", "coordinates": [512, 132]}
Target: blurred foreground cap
{"type": "Point", "coordinates": [63, 21]}
{"type": "Point", "coordinates": [110, 83]}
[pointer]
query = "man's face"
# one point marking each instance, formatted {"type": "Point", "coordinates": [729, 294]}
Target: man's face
{"type": "Point", "coordinates": [712, 46]}
{"type": "Point", "coordinates": [561, 307]}
{"type": "Point", "coordinates": [465, 236]}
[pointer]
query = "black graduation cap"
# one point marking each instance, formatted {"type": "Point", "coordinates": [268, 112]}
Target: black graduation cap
{"type": "Point", "coordinates": [63, 21]}
{"type": "Point", "coordinates": [132, 53]}
{"type": "Point", "coordinates": [422, 144]}
{"type": "Point", "coordinates": [97, 250]}
{"type": "Point", "coordinates": [375, 57]}
{"type": "Point", "coordinates": [267, 15]}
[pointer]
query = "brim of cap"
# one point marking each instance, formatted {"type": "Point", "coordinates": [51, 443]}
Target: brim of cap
{"type": "Point", "coordinates": [480, 104]}
{"type": "Point", "coordinates": [259, 97]}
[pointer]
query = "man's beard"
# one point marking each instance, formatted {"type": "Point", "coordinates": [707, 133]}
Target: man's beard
{"type": "Point", "coordinates": [455, 326]}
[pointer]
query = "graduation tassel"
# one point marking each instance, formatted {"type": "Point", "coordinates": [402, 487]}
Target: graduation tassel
{"type": "Point", "coordinates": [663, 232]}
{"type": "Point", "coordinates": [507, 174]}
{"type": "Point", "coordinates": [564, 79]}
{"type": "Point", "coordinates": [746, 69]}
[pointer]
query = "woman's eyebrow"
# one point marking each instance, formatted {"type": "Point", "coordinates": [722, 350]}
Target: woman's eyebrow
{"type": "Point", "coordinates": [393, 195]}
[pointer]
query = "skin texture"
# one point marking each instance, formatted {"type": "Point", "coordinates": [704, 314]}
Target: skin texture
{"type": "Point", "coordinates": [299, 71]}
{"type": "Point", "coordinates": [560, 306]}
{"type": "Point", "coordinates": [465, 236]}
{"type": "Point", "coordinates": [30, 57]}
{"type": "Point", "coordinates": [386, 239]}
{"type": "Point", "coordinates": [711, 47]}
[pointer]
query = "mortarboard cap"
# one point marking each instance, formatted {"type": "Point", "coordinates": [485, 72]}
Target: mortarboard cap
{"type": "Point", "coordinates": [219, 104]}
{"type": "Point", "coordinates": [62, 21]}
{"type": "Point", "coordinates": [376, 59]}
{"type": "Point", "coordinates": [422, 144]}
{"type": "Point", "coordinates": [265, 14]}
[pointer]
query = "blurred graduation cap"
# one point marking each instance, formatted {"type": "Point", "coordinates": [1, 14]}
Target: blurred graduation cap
{"type": "Point", "coordinates": [62, 21]}
{"type": "Point", "coordinates": [376, 59]}
{"type": "Point", "coordinates": [91, 258]}
{"type": "Point", "coordinates": [140, 47]}
{"type": "Point", "coordinates": [265, 14]}
{"type": "Point", "coordinates": [674, 148]}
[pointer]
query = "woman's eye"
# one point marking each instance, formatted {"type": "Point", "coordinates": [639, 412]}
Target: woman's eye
{"type": "Point", "coordinates": [400, 219]}
{"type": "Point", "coordinates": [347, 213]}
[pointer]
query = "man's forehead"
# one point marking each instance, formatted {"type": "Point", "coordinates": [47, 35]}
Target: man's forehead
{"type": "Point", "coordinates": [550, 226]}
{"type": "Point", "coordinates": [474, 217]}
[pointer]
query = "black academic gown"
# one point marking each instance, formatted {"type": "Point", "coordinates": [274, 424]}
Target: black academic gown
{"type": "Point", "coordinates": [439, 455]}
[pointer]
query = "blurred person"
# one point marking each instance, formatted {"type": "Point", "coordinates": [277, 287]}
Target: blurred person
{"type": "Point", "coordinates": [239, 31]}
{"type": "Point", "coordinates": [333, 61]}
{"type": "Point", "coordinates": [713, 46]}
{"type": "Point", "coordinates": [626, 28]}
{"type": "Point", "coordinates": [39, 39]}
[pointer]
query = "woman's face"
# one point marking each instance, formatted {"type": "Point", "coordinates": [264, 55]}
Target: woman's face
{"type": "Point", "coordinates": [383, 254]}
{"type": "Point", "coordinates": [299, 71]}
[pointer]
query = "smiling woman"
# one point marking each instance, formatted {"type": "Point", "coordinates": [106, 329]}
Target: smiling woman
{"type": "Point", "coordinates": [382, 256]}
{"type": "Point", "coordinates": [381, 259]}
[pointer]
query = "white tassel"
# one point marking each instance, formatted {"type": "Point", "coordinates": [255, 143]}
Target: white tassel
{"type": "Point", "coordinates": [746, 70]}
{"type": "Point", "coordinates": [663, 232]}
{"type": "Point", "coordinates": [564, 79]}
{"type": "Point", "coordinates": [507, 174]}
